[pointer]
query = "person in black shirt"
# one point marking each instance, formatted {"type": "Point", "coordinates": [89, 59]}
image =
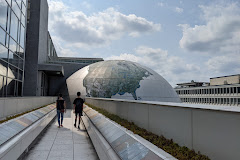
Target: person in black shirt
{"type": "Point", "coordinates": [61, 108]}
{"type": "Point", "coordinates": [78, 107]}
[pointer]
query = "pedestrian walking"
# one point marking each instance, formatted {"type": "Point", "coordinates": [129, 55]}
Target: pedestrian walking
{"type": "Point", "coordinates": [78, 107]}
{"type": "Point", "coordinates": [61, 108]}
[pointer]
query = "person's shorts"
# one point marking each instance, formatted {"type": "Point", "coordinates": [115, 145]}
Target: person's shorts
{"type": "Point", "coordinates": [78, 113]}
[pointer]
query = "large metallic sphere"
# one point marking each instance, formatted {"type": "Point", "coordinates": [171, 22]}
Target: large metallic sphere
{"type": "Point", "coordinates": [121, 80]}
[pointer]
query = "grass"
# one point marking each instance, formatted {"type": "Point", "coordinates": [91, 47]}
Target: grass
{"type": "Point", "coordinates": [18, 115]}
{"type": "Point", "coordinates": [179, 152]}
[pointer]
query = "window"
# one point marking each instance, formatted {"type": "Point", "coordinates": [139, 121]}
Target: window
{"type": "Point", "coordinates": [228, 90]}
{"type": "Point", "coordinates": [14, 26]}
{"type": "Point", "coordinates": [3, 52]}
{"type": "Point", "coordinates": [3, 67]}
{"type": "Point", "coordinates": [12, 35]}
{"type": "Point", "coordinates": [2, 84]}
{"type": "Point", "coordinates": [234, 90]}
{"type": "Point", "coordinates": [23, 9]}
{"type": "Point", "coordinates": [11, 87]}
{"type": "Point", "coordinates": [2, 36]}
{"type": "Point", "coordinates": [12, 72]}
{"type": "Point", "coordinates": [22, 36]}
{"type": "Point", "coordinates": [3, 15]}
{"type": "Point", "coordinates": [13, 45]}
{"type": "Point", "coordinates": [23, 20]}
{"type": "Point", "coordinates": [16, 8]}
{"type": "Point", "coordinates": [13, 59]}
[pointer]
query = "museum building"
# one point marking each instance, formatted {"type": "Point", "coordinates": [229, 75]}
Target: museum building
{"type": "Point", "coordinates": [29, 64]}
{"type": "Point", "coordinates": [223, 90]}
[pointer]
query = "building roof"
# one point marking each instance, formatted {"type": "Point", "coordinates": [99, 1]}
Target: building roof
{"type": "Point", "coordinates": [226, 76]}
{"type": "Point", "coordinates": [192, 83]}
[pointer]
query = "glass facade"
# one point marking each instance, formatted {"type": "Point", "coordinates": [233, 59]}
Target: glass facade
{"type": "Point", "coordinates": [12, 46]}
{"type": "Point", "coordinates": [52, 54]}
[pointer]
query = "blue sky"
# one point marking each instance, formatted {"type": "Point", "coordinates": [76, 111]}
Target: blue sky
{"type": "Point", "coordinates": [181, 40]}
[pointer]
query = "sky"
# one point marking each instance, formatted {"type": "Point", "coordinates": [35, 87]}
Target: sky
{"type": "Point", "coordinates": [181, 40]}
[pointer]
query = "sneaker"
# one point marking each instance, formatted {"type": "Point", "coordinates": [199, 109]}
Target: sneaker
{"type": "Point", "coordinates": [58, 126]}
{"type": "Point", "coordinates": [75, 125]}
{"type": "Point", "coordinates": [61, 125]}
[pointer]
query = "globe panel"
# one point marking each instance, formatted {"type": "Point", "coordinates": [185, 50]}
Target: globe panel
{"type": "Point", "coordinates": [121, 80]}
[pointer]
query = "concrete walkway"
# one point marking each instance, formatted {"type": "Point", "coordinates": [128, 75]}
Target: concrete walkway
{"type": "Point", "coordinates": [66, 143]}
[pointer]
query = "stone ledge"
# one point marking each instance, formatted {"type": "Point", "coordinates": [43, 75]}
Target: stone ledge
{"type": "Point", "coordinates": [125, 144]}
{"type": "Point", "coordinates": [20, 132]}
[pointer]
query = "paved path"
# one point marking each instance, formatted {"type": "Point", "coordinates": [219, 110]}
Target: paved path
{"type": "Point", "coordinates": [67, 143]}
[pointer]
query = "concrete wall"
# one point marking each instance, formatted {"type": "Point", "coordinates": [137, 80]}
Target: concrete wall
{"type": "Point", "coordinates": [12, 106]}
{"type": "Point", "coordinates": [36, 45]}
{"type": "Point", "coordinates": [229, 80]}
{"type": "Point", "coordinates": [212, 130]}
{"type": "Point", "coordinates": [31, 55]}
{"type": "Point", "coordinates": [43, 32]}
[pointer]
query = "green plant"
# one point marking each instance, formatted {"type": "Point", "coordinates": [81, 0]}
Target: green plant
{"type": "Point", "coordinates": [179, 152]}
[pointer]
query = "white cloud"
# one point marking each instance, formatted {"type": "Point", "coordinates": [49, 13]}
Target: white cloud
{"type": "Point", "coordinates": [220, 34]}
{"type": "Point", "coordinates": [86, 5]}
{"type": "Point", "coordinates": [160, 4]}
{"type": "Point", "coordinates": [217, 38]}
{"type": "Point", "coordinates": [79, 29]}
{"type": "Point", "coordinates": [178, 10]}
{"type": "Point", "coordinates": [224, 65]}
{"type": "Point", "coordinates": [173, 68]}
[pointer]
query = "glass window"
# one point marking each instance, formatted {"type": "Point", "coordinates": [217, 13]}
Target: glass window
{"type": "Point", "coordinates": [19, 3]}
{"type": "Point", "coordinates": [14, 26]}
{"type": "Point", "coordinates": [3, 67]}
{"type": "Point", "coordinates": [1, 85]}
{"type": "Point", "coordinates": [21, 53]}
{"type": "Point", "coordinates": [2, 36]}
{"type": "Point", "coordinates": [3, 52]}
{"type": "Point", "coordinates": [8, 20]}
{"type": "Point", "coordinates": [13, 59]}
{"type": "Point", "coordinates": [22, 36]}
{"type": "Point", "coordinates": [11, 87]}
{"type": "Point", "coordinates": [19, 88]}
{"type": "Point", "coordinates": [234, 90]}
{"type": "Point", "coordinates": [20, 63]}
{"type": "Point", "coordinates": [23, 20]}
{"type": "Point", "coordinates": [9, 2]}
{"type": "Point", "coordinates": [12, 72]}
{"type": "Point", "coordinates": [20, 75]}
{"type": "Point", "coordinates": [25, 2]}
{"type": "Point", "coordinates": [16, 9]}
{"type": "Point", "coordinates": [13, 45]}
{"type": "Point", "coordinates": [23, 9]}
{"type": "Point", "coordinates": [3, 13]}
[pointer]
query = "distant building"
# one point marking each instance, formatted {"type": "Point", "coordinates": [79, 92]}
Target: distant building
{"type": "Point", "coordinates": [224, 80]}
{"type": "Point", "coordinates": [223, 90]}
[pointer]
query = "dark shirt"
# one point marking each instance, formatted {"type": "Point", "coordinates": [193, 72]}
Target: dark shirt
{"type": "Point", "coordinates": [60, 104]}
{"type": "Point", "coordinates": [79, 104]}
